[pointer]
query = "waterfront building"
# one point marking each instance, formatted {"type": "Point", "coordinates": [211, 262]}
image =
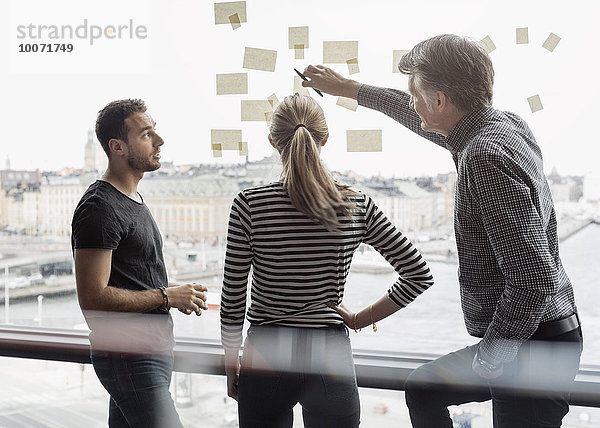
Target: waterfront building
{"type": "Point", "coordinates": [190, 208]}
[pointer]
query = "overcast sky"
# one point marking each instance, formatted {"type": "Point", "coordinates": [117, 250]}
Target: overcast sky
{"type": "Point", "coordinates": [49, 101]}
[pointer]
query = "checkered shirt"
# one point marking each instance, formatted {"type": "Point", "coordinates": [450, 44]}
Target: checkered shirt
{"type": "Point", "coordinates": [510, 273]}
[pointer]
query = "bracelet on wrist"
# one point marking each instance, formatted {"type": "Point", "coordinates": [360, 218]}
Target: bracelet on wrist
{"type": "Point", "coordinates": [165, 305]}
{"type": "Point", "coordinates": [354, 326]}
{"type": "Point", "coordinates": [373, 322]}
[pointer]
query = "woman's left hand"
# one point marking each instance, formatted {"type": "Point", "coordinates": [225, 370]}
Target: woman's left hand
{"type": "Point", "coordinates": [232, 385]}
{"type": "Point", "coordinates": [232, 370]}
{"type": "Point", "coordinates": [346, 313]}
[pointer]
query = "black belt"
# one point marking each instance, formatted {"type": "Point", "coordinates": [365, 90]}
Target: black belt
{"type": "Point", "coordinates": [550, 329]}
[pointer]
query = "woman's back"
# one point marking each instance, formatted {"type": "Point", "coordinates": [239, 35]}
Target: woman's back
{"type": "Point", "coordinates": [299, 266]}
{"type": "Point", "coordinates": [299, 235]}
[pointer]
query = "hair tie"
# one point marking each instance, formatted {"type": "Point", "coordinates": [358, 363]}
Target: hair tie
{"type": "Point", "coordinates": [299, 125]}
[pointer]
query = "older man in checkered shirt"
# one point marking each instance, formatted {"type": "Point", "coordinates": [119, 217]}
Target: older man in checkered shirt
{"type": "Point", "coordinates": [515, 293]}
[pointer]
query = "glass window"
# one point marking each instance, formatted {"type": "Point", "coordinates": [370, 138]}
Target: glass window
{"type": "Point", "coordinates": [178, 82]}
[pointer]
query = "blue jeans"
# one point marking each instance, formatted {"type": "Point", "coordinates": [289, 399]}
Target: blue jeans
{"type": "Point", "coordinates": [533, 391]}
{"type": "Point", "coordinates": [139, 389]}
{"type": "Point", "coordinates": [282, 366]}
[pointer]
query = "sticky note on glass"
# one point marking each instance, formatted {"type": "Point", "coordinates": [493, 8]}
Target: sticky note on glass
{"type": "Point", "coordinates": [396, 55]}
{"type": "Point", "coordinates": [256, 110]}
{"type": "Point", "coordinates": [273, 100]}
{"type": "Point", "coordinates": [260, 59]}
{"type": "Point", "coordinates": [225, 139]}
{"type": "Point", "coordinates": [217, 152]}
{"type": "Point", "coordinates": [297, 36]}
{"type": "Point", "coordinates": [348, 103]}
{"type": "Point", "coordinates": [353, 66]}
{"type": "Point", "coordinates": [232, 83]}
{"type": "Point", "coordinates": [225, 136]}
{"type": "Point", "coordinates": [235, 21]}
{"type": "Point", "coordinates": [298, 51]}
{"type": "Point", "coordinates": [233, 12]}
{"type": "Point", "coordinates": [551, 42]}
{"type": "Point", "coordinates": [339, 52]}
{"type": "Point", "coordinates": [522, 36]}
{"type": "Point", "coordinates": [243, 148]}
{"type": "Point", "coordinates": [367, 140]}
{"type": "Point", "coordinates": [535, 103]}
{"type": "Point", "coordinates": [487, 44]}
{"type": "Point", "coordinates": [298, 86]}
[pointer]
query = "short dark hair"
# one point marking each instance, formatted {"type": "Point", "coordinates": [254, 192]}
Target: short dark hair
{"type": "Point", "coordinates": [111, 120]}
{"type": "Point", "coordinates": [454, 65]}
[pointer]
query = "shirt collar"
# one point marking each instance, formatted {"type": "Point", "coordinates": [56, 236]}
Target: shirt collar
{"type": "Point", "coordinates": [463, 131]}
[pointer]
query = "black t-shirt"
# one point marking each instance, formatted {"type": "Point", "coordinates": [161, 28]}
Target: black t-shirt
{"type": "Point", "coordinates": [105, 218]}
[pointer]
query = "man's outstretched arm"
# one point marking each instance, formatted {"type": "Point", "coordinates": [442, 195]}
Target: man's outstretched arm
{"type": "Point", "coordinates": [391, 102]}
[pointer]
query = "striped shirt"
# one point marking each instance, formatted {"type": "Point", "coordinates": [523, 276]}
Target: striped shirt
{"type": "Point", "coordinates": [510, 273]}
{"type": "Point", "coordinates": [298, 265]}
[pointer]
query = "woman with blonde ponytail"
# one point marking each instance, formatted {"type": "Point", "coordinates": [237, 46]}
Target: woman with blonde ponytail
{"type": "Point", "coordinates": [298, 235]}
{"type": "Point", "coordinates": [311, 188]}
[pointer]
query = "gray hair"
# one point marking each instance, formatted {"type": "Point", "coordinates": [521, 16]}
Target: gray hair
{"type": "Point", "coordinates": [454, 65]}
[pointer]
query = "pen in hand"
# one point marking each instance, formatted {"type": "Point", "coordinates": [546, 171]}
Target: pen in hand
{"type": "Point", "coordinates": [304, 78]}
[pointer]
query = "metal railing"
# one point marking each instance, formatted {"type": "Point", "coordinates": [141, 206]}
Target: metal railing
{"type": "Point", "coordinates": [374, 369]}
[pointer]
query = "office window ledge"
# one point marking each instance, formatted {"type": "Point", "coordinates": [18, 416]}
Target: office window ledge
{"type": "Point", "coordinates": [374, 369]}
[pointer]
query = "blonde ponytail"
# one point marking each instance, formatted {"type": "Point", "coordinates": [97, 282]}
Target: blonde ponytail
{"type": "Point", "coordinates": [297, 128]}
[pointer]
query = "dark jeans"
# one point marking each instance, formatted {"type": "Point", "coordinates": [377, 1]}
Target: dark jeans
{"type": "Point", "coordinates": [138, 388]}
{"type": "Point", "coordinates": [282, 366]}
{"type": "Point", "coordinates": [532, 392]}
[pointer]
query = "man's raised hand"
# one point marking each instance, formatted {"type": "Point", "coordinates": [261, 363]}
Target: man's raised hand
{"type": "Point", "coordinates": [331, 82]}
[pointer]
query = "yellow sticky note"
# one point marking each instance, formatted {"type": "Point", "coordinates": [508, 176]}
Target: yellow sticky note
{"type": "Point", "coordinates": [365, 140]}
{"type": "Point", "coordinates": [396, 55]}
{"type": "Point", "coordinates": [488, 44]}
{"type": "Point", "coordinates": [226, 138]}
{"type": "Point", "coordinates": [223, 12]}
{"type": "Point", "coordinates": [297, 36]}
{"type": "Point", "coordinates": [217, 152]}
{"type": "Point", "coordinates": [522, 36]}
{"type": "Point", "coordinates": [298, 51]}
{"type": "Point", "coordinates": [551, 42]}
{"type": "Point", "coordinates": [235, 21]}
{"type": "Point", "coordinates": [348, 103]}
{"type": "Point", "coordinates": [339, 52]}
{"type": "Point", "coordinates": [260, 59]}
{"type": "Point", "coordinates": [232, 83]}
{"type": "Point", "coordinates": [218, 148]}
{"type": "Point", "coordinates": [535, 103]}
{"type": "Point", "coordinates": [255, 110]}
{"type": "Point", "coordinates": [353, 66]}
{"type": "Point", "coordinates": [298, 87]}
{"type": "Point", "coordinates": [273, 100]}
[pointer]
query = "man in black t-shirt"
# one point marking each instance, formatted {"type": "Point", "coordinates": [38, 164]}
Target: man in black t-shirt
{"type": "Point", "coordinates": [122, 283]}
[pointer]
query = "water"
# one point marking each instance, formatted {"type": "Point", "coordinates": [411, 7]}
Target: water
{"type": "Point", "coordinates": [433, 323]}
